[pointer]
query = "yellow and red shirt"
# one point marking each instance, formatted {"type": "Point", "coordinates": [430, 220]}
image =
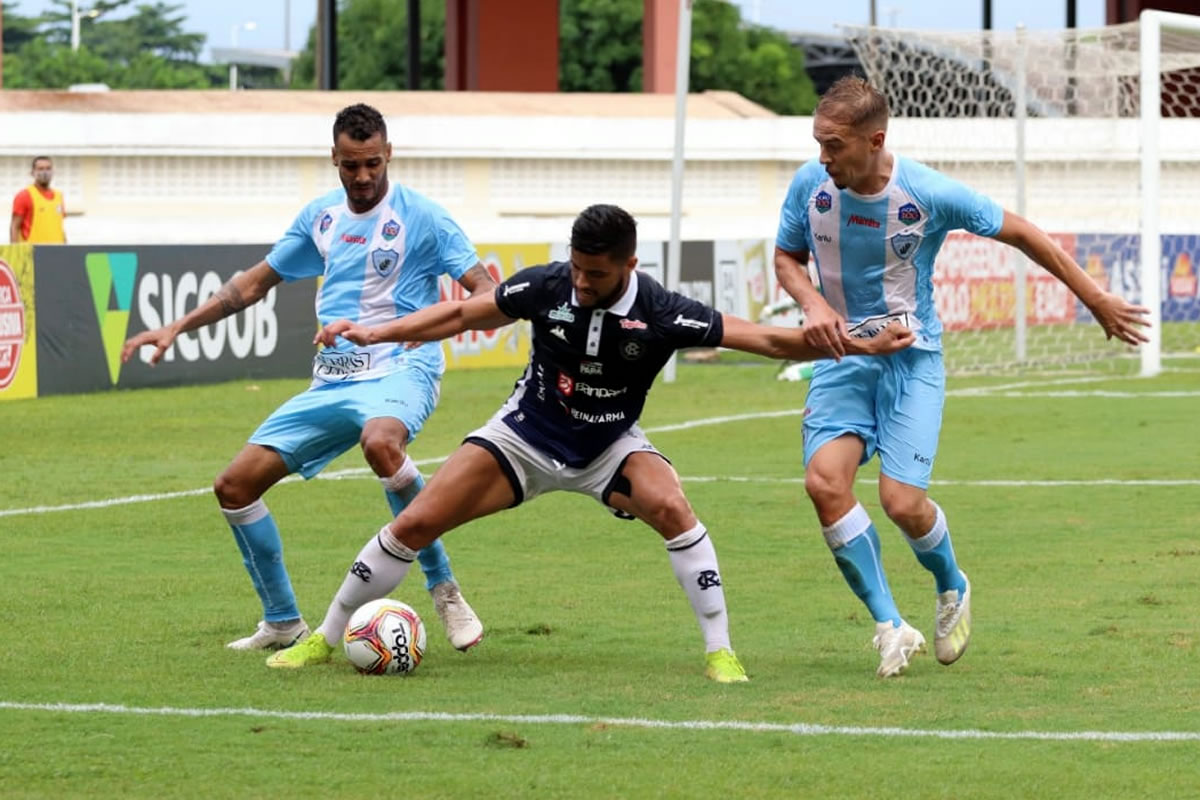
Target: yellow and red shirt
{"type": "Point", "coordinates": [41, 212]}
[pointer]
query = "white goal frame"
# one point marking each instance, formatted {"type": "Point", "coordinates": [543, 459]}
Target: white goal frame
{"type": "Point", "coordinates": [1151, 25]}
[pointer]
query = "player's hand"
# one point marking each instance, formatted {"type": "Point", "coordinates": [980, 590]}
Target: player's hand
{"type": "Point", "coordinates": [892, 338]}
{"type": "Point", "coordinates": [350, 331]}
{"type": "Point", "coordinates": [159, 338]}
{"type": "Point", "coordinates": [1120, 318]}
{"type": "Point", "coordinates": [825, 330]}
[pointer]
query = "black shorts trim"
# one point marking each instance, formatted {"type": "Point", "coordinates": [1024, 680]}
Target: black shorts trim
{"type": "Point", "coordinates": [505, 466]}
{"type": "Point", "coordinates": [620, 484]}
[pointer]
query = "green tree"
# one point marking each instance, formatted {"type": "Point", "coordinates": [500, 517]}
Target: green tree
{"type": "Point", "coordinates": [600, 50]}
{"type": "Point", "coordinates": [19, 30]}
{"type": "Point", "coordinates": [147, 49]}
{"type": "Point", "coordinates": [756, 62]}
{"type": "Point", "coordinates": [373, 46]}
{"type": "Point", "coordinates": [600, 46]}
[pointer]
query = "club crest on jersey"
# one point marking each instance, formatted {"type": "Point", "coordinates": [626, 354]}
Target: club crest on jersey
{"type": "Point", "coordinates": [384, 261]}
{"type": "Point", "coordinates": [632, 349]}
{"type": "Point", "coordinates": [908, 214]}
{"type": "Point", "coordinates": [326, 221]}
{"type": "Point", "coordinates": [823, 202]}
{"type": "Point", "coordinates": [905, 244]}
{"type": "Point", "coordinates": [562, 314]}
{"type": "Point", "coordinates": [391, 229]}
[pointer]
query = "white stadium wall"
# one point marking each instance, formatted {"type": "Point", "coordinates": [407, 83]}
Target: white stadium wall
{"type": "Point", "coordinates": [147, 178]}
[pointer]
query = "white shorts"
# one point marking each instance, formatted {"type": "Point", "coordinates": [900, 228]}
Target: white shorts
{"type": "Point", "coordinates": [531, 472]}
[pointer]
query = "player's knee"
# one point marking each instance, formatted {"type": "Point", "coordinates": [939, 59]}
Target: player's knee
{"type": "Point", "coordinates": [905, 508]}
{"type": "Point", "coordinates": [231, 493]}
{"type": "Point", "coordinates": [670, 514]}
{"type": "Point", "coordinates": [824, 489]}
{"type": "Point", "coordinates": [382, 452]}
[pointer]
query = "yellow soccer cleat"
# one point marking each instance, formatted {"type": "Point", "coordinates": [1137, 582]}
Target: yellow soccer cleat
{"type": "Point", "coordinates": [953, 621]}
{"type": "Point", "coordinates": [723, 666]}
{"type": "Point", "coordinates": [313, 650]}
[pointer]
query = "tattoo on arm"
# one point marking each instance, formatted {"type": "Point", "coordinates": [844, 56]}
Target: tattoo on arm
{"type": "Point", "coordinates": [230, 298]}
{"type": "Point", "coordinates": [477, 277]}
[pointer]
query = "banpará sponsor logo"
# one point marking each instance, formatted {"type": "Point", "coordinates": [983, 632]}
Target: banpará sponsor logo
{"type": "Point", "coordinates": [602, 392]}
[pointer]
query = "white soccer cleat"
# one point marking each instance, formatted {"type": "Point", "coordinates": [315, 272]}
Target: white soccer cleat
{"type": "Point", "coordinates": [272, 636]}
{"type": "Point", "coordinates": [896, 646]}
{"type": "Point", "coordinates": [953, 624]}
{"type": "Point", "coordinates": [463, 628]}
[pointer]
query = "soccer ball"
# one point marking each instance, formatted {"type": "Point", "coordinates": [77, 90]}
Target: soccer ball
{"type": "Point", "coordinates": [385, 637]}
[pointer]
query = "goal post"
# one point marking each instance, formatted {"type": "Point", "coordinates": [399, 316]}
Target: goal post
{"type": "Point", "coordinates": [1095, 136]}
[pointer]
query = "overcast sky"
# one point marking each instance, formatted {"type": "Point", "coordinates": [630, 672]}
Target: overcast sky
{"type": "Point", "coordinates": [260, 23]}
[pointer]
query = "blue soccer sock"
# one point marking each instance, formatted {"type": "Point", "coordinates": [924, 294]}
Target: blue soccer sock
{"type": "Point", "coordinates": [936, 554]}
{"type": "Point", "coordinates": [855, 547]}
{"type": "Point", "coordinates": [400, 489]}
{"type": "Point", "coordinates": [257, 537]}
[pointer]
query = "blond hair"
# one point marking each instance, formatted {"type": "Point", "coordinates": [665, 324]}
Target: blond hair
{"type": "Point", "coordinates": [853, 100]}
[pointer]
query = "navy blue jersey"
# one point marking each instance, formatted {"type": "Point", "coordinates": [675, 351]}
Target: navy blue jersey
{"type": "Point", "coordinates": [590, 368]}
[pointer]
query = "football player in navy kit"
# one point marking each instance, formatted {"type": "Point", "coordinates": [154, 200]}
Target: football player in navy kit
{"type": "Point", "coordinates": [601, 333]}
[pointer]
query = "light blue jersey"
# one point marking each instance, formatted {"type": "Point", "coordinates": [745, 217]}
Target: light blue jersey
{"type": "Point", "coordinates": [378, 266]}
{"type": "Point", "coordinates": [874, 254]}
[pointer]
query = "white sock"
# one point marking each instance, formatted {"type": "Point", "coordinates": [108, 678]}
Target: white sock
{"type": "Point", "coordinates": [695, 564]}
{"type": "Point", "coordinates": [404, 483]}
{"type": "Point", "coordinates": [379, 568]}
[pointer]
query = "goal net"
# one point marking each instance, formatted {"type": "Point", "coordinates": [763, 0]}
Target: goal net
{"type": "Point", "coordinates": [1051, 125]}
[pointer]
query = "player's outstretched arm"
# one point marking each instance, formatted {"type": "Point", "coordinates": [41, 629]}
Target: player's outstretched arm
{"type": "Point", "coordinates": [1118, 317]}
{"type": "Point", "coordinates": [823, 327]}
{"type": "Point", "coordinates": [790, 343]}
{"type": "Point", "coordinates": [239, 292]}
{"type": "Point", "coordinates": [430, 324]}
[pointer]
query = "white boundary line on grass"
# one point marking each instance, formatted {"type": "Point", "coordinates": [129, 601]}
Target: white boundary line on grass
{"type": "Point", "coordinates": [798, 729]}
{"type": "Point", "coordinates": [999, 390]}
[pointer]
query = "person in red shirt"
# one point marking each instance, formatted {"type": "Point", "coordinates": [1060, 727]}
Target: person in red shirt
{"type": "Point", "coordinates": [38, 211]}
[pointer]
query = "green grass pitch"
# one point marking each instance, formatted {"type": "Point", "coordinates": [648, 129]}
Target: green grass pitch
{"type": "Point", "coordinates": [1074, 502]}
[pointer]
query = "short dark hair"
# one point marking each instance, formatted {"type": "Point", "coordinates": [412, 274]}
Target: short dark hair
{"type": "Point", "coordinates": [605, 229]}
{"type": "Point", "coordinates": [360, 122]}
{"type": "Point", "coordinates": [33, 164]}
{"type": "Point", "coordinates": [853, 100]}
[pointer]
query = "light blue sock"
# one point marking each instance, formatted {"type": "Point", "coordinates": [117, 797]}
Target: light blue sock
{"type": "Point", "coordinates": [936, 554]}
{"type": "Point", "coordinates": [257, 537]}
{"type": "Point", "coordinates": [400, 489]}
{"type": "Point", "coordinates": [855, 547]}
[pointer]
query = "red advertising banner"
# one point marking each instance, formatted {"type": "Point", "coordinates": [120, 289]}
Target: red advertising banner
{"type": "Point", "coordinates": [974, 287]}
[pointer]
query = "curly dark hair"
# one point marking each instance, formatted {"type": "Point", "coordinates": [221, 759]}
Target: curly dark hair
{"type": "Point", "coordinates": [360, 122]}
{"type": "Point", "coordinates": [605, 229]}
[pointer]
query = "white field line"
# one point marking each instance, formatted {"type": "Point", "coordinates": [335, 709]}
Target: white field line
{"type": "Point", "coordinates": [798, 729]}
{"type": "Point", "coordinates": [1003, 390]}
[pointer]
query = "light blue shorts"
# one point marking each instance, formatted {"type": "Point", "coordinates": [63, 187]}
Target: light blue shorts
{"type": "Point", "coordinates": [318, 425]}
{"type": "Point", "coordinates": [893, 403]}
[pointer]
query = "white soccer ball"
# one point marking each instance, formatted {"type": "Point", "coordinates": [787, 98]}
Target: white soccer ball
{"type": "Point", "coordinates": [385, 637]}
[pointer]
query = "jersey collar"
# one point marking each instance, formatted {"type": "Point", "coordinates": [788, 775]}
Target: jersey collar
{"type": "Point", "coordinates": [622, 307]}
{"type": "Point", "coordinates": [383, 203]}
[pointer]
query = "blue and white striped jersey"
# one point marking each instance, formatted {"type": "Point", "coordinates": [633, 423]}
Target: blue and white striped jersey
{"type": "Point", "coordinates": [874, 254]}
{"type": "Point", "coordinates": [378, 266]}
